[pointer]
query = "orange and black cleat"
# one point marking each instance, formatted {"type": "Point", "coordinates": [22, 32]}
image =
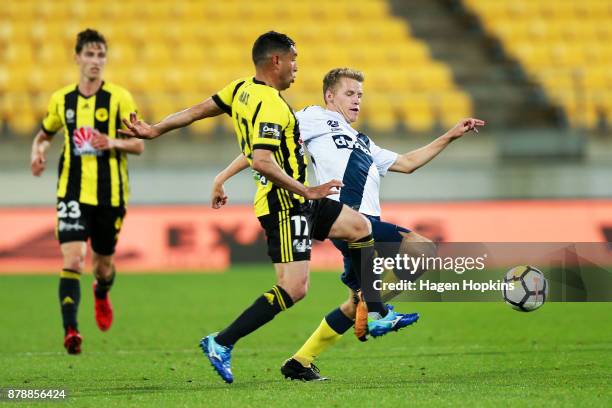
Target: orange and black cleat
{"type": "Point", "coordinates": [361, 318]}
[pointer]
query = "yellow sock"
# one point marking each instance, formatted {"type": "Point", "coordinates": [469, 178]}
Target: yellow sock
{"type": "Point", "coordinates": [322, 338]}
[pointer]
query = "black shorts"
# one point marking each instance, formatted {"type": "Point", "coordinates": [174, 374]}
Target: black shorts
{"type": "Point", "coordinates": [289, 233]}
{"type": "Point", "coordinates": [80, 222]}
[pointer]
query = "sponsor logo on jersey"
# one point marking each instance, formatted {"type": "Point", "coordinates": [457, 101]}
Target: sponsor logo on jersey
{"type": "Point", "coordinates": [83, 137]}
{"type": "Point", "coordinates": [270, 130]}
{"type": "Point", "coordinates": [347, 142]}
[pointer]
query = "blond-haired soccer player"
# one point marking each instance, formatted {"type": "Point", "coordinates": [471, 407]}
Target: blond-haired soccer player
{"type": "Point", "coordinates": [290, 211]}
{"type": "Point", "coordinates": [92, 190]}
{"type": "Point", "coordinates": [341, 152]}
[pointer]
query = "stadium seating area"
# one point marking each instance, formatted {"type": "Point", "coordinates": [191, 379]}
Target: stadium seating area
{"type": "Point", "coordinates": [565, 45]}
{"type": "Point", "coordinates": [173, 54]}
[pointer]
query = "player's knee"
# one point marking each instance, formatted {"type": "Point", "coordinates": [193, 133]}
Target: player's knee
{"type": "Point", "coordinates": [361, 229]}
{"type": "Point", "coordinates": [297, 292]}
{"type": "Point", "coordinates": [74, 262]}
{"type": "Point", "coordinates": [103, 267]}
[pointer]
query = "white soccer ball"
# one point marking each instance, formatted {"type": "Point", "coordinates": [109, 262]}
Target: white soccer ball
{"type": "Point", "coordinates": [530, 288]}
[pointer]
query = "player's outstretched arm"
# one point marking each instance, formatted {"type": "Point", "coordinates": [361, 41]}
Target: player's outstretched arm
{"type": "Point", "coordinates": [101, 141]}
{"type": "Point", "coordinates": [142, 130]}
{"type": "Point", "coordinates": [410, 161]}
{"type": "Point", "coordinates": [264, 163]}
{"type": "Point", "coordinates": [218, 198]}
{"type": "Point", "coordinates": [38, 156]}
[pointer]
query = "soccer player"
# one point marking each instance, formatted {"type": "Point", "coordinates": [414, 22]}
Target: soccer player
{"type": "Point", "coordinates": [340, 152]}
{"type": "Point", "coordinates": [290, 211]}
{"type": "Point", "coordinates": [92, 190]}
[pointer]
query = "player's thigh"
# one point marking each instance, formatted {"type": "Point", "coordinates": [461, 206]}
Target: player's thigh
{"type": "Point", "coordinates": [105, 228]}
{"type": "Point", "coordinates": [288, 235]}
{"type": "Point", "coordinates": [350, 225]}
{"type": "Point", "coordinates": [293, 277]}
{"type": "Point", "coordinates": [73, 221]}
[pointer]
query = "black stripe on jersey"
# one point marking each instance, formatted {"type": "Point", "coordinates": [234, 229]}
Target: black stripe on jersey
{"type": "Point", "coordinates": [73, 190]}
{"type": "Point", "coordinates": [118, 154]}
{"type": "Point", "coordinates": [238, 85]}
{"type": "Point", "coordinates": [265, 147]}
{"type": "Point", "coordinates": [225, 108]}
{"type": "Point", "coordinates": [301, 159]}
{"type": "Point", "coordinates": [104, 172]}
{"type": "Point", "coordinates": [255, 114]}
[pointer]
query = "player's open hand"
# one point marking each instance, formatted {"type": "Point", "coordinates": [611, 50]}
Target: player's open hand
{"type": "Point", "coordinates": [330, 188]}
{"type": "Point", "coordinates": [217, 197]}
{"type": "Point", "coordinates": [101, 141]}
{"type": "Point", "coordinates": [464, 126]}
{"type": "Point", "coordinates": [38, 163]}
{"type": "Point", "coordinates": [138, 128]}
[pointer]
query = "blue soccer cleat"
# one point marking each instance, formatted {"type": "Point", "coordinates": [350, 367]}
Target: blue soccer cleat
{"type": "Point", "coordinates": [219, 356]}
{"type": "Point", "coordinates": [393, 321]}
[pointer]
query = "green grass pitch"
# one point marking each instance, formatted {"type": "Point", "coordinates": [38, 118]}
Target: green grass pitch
{"type": "Point", "coordinates": [458, 354]}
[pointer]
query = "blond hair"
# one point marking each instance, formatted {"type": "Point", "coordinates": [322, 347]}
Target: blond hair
{"type": "Point", "coordinates": [332, 78]}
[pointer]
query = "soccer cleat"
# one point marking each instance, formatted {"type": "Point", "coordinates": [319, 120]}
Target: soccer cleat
{"type": "Point", "coordinates": [72, 341]}
{"type": "Point", "coordinates": [393, 321]}
{"type": "Point", "coordinates": [361, 319]}
{"type": "Point", "coordinates": [103, 311]}
{"type": "Point", "coordinates": [296, 371]}
{"type": "Point", "coordinates": [219, 356]}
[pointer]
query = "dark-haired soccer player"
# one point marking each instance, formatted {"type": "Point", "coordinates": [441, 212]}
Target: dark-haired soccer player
{"type": "Point", "coordinates": [341, 152]}
{"type": "Point", "coordinates": [291, 212]}
{"type": "Point", "coordinates": [92, 190]}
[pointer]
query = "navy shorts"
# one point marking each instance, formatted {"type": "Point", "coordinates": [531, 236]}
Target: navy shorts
{"type": "Point", "coordinates": [383, 233]}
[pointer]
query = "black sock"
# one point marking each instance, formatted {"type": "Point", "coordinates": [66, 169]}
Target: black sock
{"type": "Point", "coordinates": [70, 296]}
{"type": "Point", "coordinates": [259, 313]}
{"type": "Point", "coordinates": [338, 321]}
{"type": "Point", "coordinates": [362, 259]}
{"type": "Point", "coordinates": [103, 286]}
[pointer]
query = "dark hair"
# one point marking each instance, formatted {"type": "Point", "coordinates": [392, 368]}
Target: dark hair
{"type": "Point", "coordinates": [270, 42]}
{"type": "Point", "coordinates": [88, 36]}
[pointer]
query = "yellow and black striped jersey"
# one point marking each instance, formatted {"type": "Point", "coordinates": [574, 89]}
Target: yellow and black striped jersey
{"type": "Point", "coordinates": [263, 120]}
{"type": "Point", "coordinates": [88, 175]}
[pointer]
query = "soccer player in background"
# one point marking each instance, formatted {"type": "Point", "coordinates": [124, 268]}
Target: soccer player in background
{"type": "Point", "coordinates": [340, 152]}
{"type": "Point", "coordinates": [290, 211]}
{"type": "Point", "coordinates": [93, 189]}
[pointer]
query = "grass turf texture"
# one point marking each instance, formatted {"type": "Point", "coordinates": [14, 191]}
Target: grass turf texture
{"type": "Point", "coordinates": [464, 354]}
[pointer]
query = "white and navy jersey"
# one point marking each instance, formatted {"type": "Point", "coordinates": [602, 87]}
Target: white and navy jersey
{"type": "Point", "coordinates": [340, 152]}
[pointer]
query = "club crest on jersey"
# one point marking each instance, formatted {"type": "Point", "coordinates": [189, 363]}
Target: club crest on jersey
{"type": "Point", "coordinates": [345, 142]}
{"type": "Point", "coordinates": [69, 115]}
{"type": "Point", "coordinates": [101, 114]}
{"type": "Point", "coordinates": [334, 125]}
{"type": "Point", "coordinates": [269, 130]}
{"type": "Point", "coordinates": [82, 138]}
